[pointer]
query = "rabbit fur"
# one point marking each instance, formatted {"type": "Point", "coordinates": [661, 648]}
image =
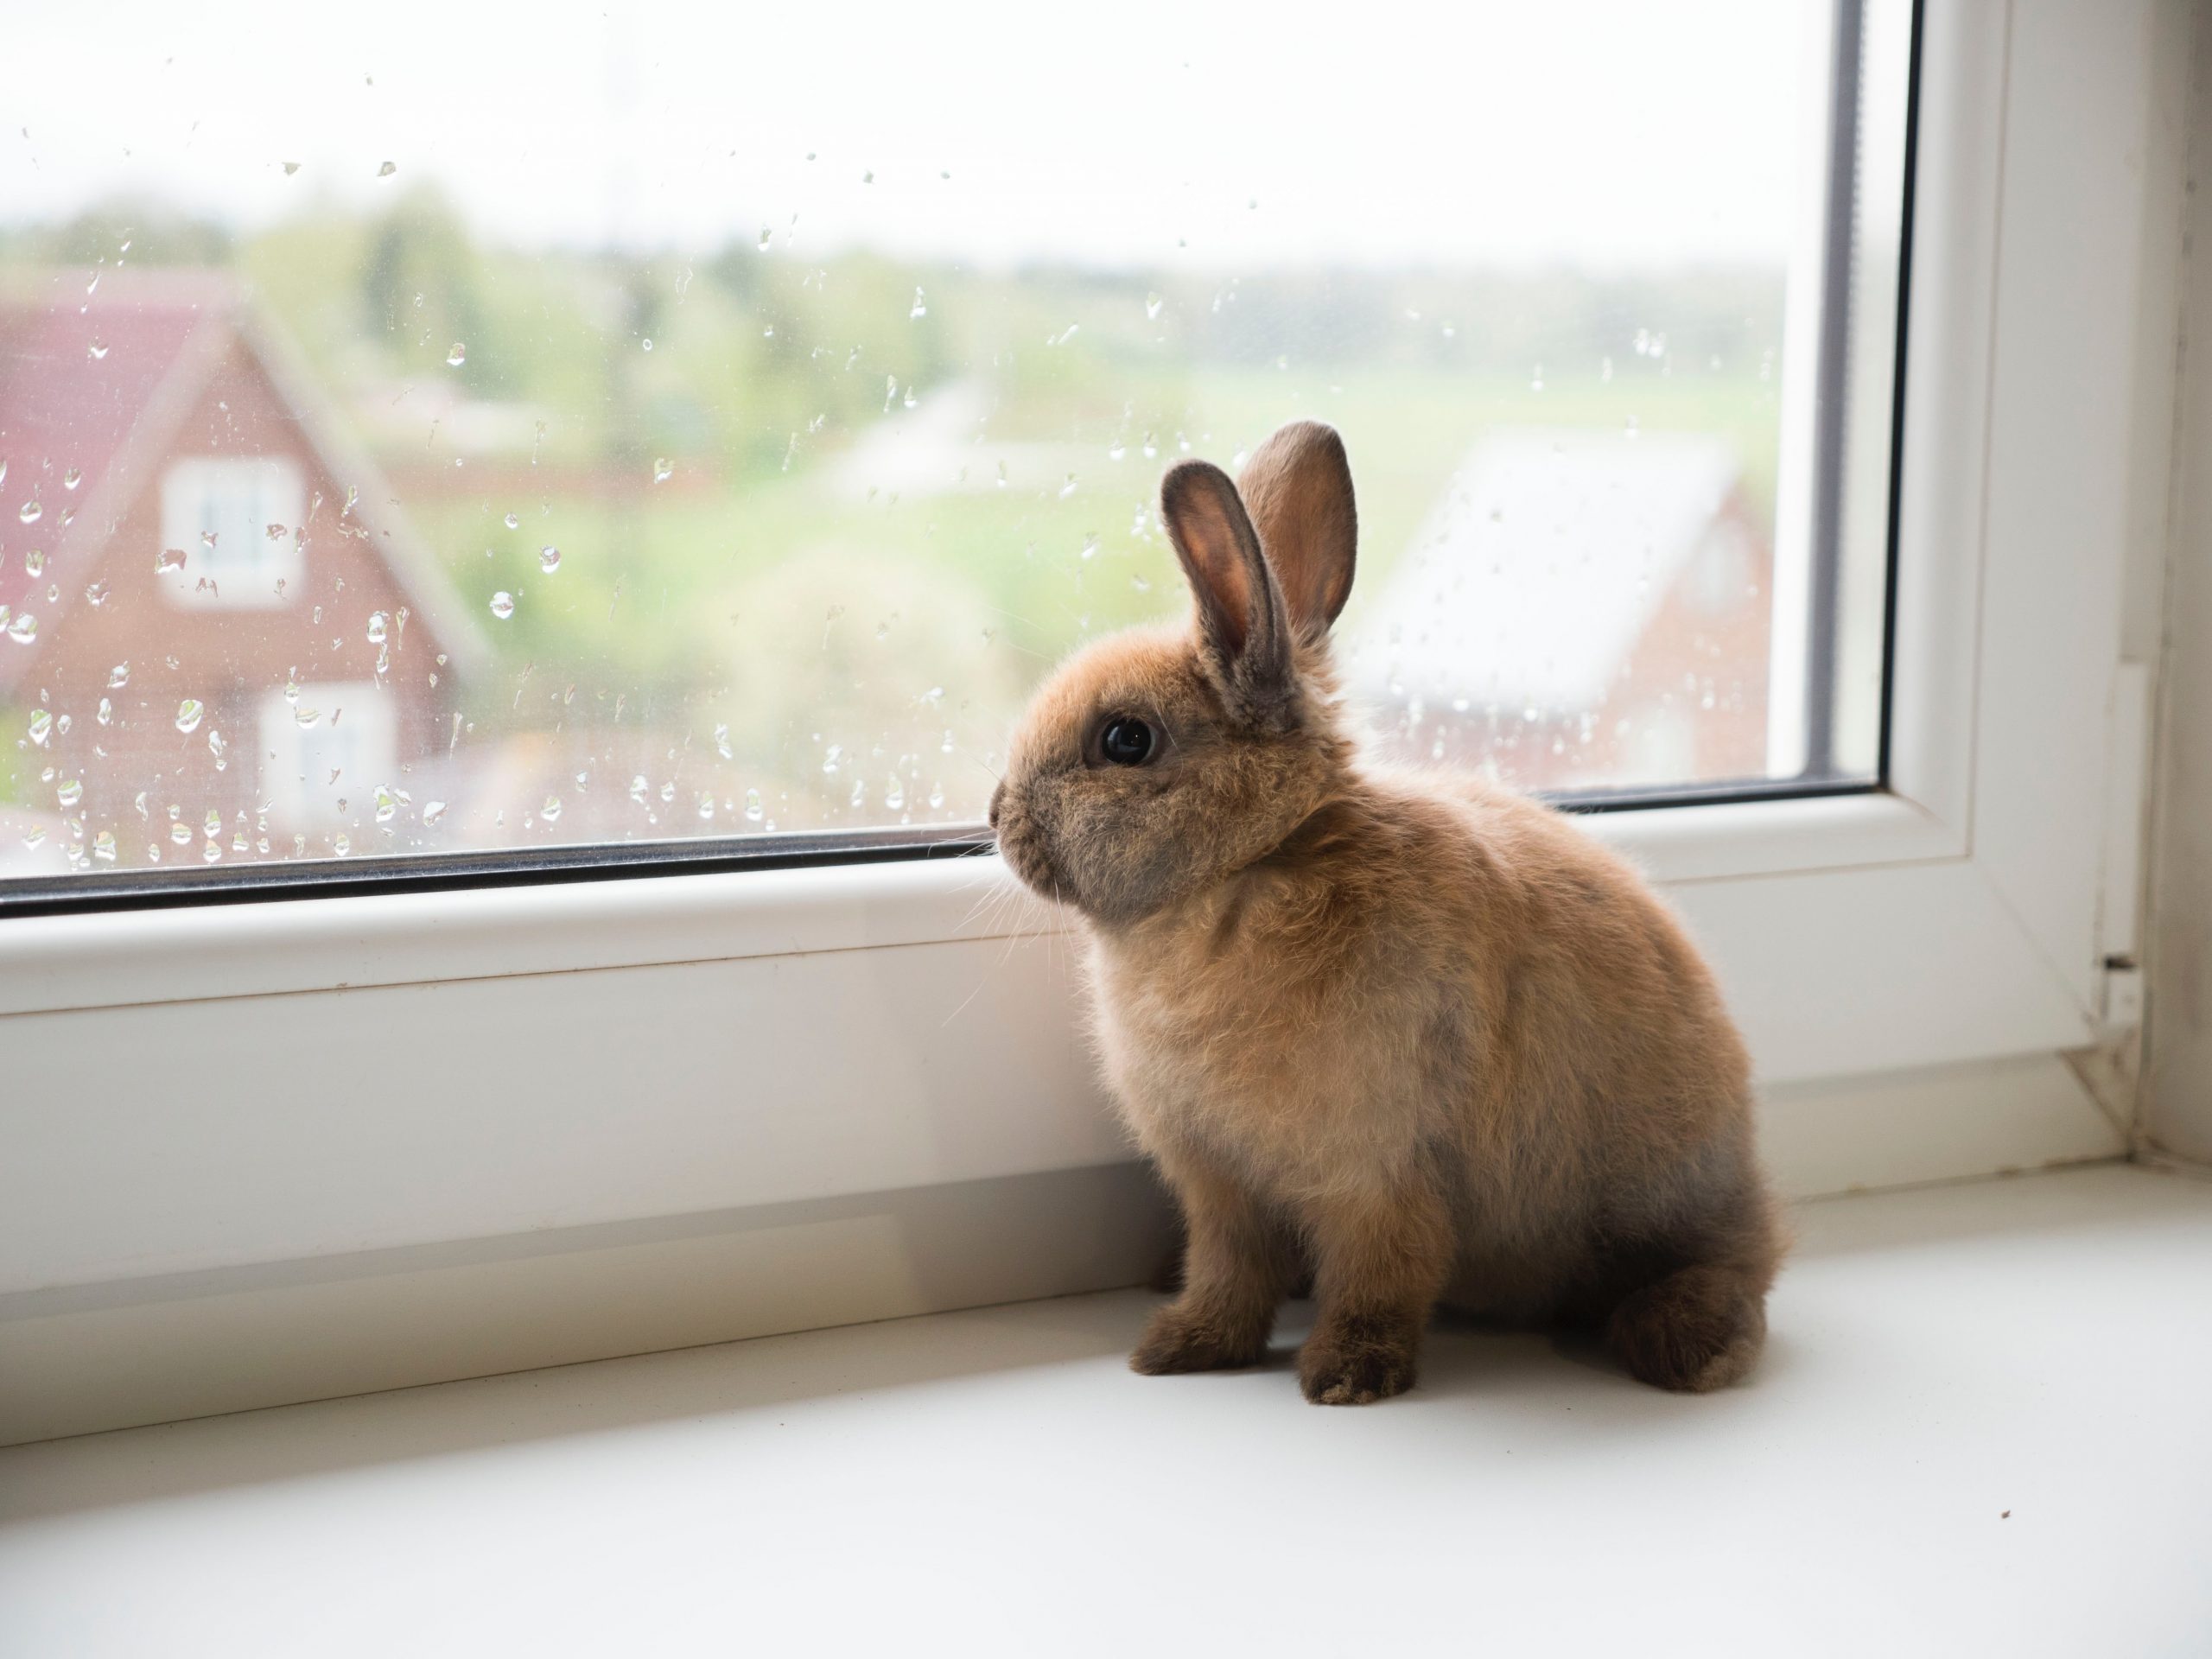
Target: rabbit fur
{"type": "Point", "coordinates": [1415, 1036]}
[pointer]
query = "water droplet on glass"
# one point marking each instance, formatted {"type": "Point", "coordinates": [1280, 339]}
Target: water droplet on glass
{"type": "Point", "coordinates": [72, 479]}
{"type": "Point", "coordinates": [387, 169]}
{"type": "Point", "coordinates": [432, 812]}
{"type": "Point", "coordinates": [894, 794]}
{"type": "Point", "coordinates": [647, 342]}
{"type": "Point", "coordinates": [104, 846]}
{"type": "Point", "coordinates": [458, 355]}
{"type": "Point", "coordinates": [551, 811]}
{"type": "Point", "coordinates": [35, 836]}
{"type": "Point", "coordinates": [307, 717]}
{"type": "Point", "coordinates": [706, 805]}
{"type": "Point", "coordinates": [1090, 545]}
{"type": "Point", "coordinates": [502, 604]}
{"type": "Point", "coordinates": [290, 167]}
{"type": "Point", "coordinates": [548, 559]}
{"type": "Point", "coordinates": [24, 629]}
{"type": "Point", "coordinates": [387, 808]}
{"type": "Point", "coordinates": [1068, 488]}
{"type": "Point", "coordinates": [936, 796]}
{"type": "Point", "coordinates": [722, 742]}
{"type": "Point", "coordinates": [105, 714]}
{"type": "Point", "coordinates": [71, 792]}
{"type": "Point", "coordinates": [217, 747]}
{"type": "Point", "coordinates": [188, 715]}
{"type": "Point", "coordinates": [97, 350]}
{"type": "Point", "coordinates": [919, 309]}
{"type": "Point", "coordinates": [168, 559]}
{"type": "Point", "coordinates": [1151, 304]}
{"type": "Point", "coordinates": [380, 627]}
{"type": "Point", "coordinates": [119, 676]}
{"type": "Point", "coordinates": [663, 468]}
{"type": "Point", "coordinates": [513, 522]}
{"type": "Point", "coordinates": [41, 727]}
{"type": "Point", "coordinates": [30, 511]}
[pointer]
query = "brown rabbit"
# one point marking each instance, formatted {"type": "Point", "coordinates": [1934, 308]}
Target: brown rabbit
{"type": "Point", "coordinates": [1417, 1034]}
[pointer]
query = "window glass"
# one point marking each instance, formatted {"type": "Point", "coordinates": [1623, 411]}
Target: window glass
{"type": "Point", "coordinates": [457, 436]}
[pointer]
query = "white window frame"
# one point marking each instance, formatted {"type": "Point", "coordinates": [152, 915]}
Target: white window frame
{"type": "Point", "coordinates": [200, 1089]}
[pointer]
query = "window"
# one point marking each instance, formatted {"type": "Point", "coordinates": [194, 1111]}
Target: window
{"type": "Point", "coordinates": [760, 1021]}
{"type": "Point", "coordinates": [695, 466]}
{"type": "Point", "coordinates": [326, 747]}
{"type": "Point", "coordinates": [231, 532]}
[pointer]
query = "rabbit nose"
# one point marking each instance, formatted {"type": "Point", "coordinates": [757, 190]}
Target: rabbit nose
{"type": "Point", "coordinates": [997, 795]}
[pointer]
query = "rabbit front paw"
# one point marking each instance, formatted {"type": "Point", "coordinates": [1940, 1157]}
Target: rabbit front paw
{"type": "Point", "coordinates": [1355, 1362]}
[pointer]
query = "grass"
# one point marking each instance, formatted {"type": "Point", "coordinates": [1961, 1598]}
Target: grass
{"type": "Point", "coordinates": [673, 591]}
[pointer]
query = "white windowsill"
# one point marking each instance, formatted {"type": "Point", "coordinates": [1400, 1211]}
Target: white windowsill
{"type": "Point", "coordinates": [997, 1482]}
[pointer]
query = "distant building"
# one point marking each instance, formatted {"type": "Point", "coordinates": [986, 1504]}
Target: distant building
{"type": "Point", "coordinates": [1582, 608]}
{"type": "Point", "coordinates": [212, 603]}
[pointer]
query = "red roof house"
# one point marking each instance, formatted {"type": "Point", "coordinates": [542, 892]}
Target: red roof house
{"type": "Point", "coordinates": [217, 633]}
{"type": "Point", "coordinates": [1580, 608]}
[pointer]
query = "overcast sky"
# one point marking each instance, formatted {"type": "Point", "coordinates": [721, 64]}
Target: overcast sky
{"type": "Point", "coordinates": [1607, 133]}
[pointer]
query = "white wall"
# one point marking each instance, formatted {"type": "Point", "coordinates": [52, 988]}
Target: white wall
{"type": "Point", "coordinates": [2176, 1101]}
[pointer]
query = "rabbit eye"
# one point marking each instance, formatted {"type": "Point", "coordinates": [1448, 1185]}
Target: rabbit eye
{"type": "Point", "coordinates": [1126, 740]}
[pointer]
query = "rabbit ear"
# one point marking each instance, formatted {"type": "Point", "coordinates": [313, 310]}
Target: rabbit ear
{"type": "Point", "coordinates": [1298, 486]}
{"type": "Point", "coordinates": [1242, 621]}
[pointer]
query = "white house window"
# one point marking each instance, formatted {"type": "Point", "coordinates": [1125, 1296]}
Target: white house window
{"type": "Point", "coordinates": [326, 750]}
{"type": "Point", "coordinates": [232, 531]}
